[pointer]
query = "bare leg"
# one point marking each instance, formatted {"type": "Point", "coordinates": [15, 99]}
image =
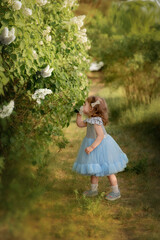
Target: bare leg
{"type": "Point", "coordinates": [113, 180]}
{"type": "Point", "coordinates": [94, 179]}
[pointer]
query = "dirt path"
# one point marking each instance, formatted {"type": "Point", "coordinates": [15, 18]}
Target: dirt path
{"type": "Point", "coordinates": [62, 213]}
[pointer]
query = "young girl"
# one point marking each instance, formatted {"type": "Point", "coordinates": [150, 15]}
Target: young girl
{"type": "Point", "coordinates": [99, 154]}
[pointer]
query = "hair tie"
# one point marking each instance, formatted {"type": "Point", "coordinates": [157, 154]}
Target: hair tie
{"type": "Point", "coordinates": [95, 103]}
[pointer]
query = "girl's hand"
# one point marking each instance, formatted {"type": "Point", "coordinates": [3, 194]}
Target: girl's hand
{"type": "Point", "coordinates": [88, 150]}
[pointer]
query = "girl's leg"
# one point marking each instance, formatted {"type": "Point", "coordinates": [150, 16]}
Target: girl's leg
{"type": "Point", "coordinates": [113, 180]}
{"type": "Point", "coordinates": [94, 180]}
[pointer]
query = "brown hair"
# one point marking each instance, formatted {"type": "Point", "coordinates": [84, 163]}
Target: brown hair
{"type": "Point", "coordinates": [99, 110]}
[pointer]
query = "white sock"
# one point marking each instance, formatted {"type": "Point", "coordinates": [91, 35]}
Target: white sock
{"type": "Point", "coordinates": [94, 186]}
{"type": "Point", "coordinates": [115, 188]}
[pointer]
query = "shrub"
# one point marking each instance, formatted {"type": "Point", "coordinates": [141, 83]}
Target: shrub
{"type": "Point", "coordinates": [42, 77]}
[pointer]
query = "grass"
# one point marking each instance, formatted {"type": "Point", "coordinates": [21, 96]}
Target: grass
{"type": "Point", "coordinates": [63, 213]}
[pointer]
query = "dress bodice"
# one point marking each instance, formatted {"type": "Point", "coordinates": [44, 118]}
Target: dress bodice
{"type": "Point", "coordinates": [91, 133]}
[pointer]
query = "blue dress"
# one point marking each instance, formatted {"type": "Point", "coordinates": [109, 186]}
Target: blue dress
{"type": "Point", "coordinates": [106, 159]}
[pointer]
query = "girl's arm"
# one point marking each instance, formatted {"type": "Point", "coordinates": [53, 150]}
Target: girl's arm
{"type": "Point", "coordinates": [99, 138]}
{"type": "Point", "coordinates": [79, 121]}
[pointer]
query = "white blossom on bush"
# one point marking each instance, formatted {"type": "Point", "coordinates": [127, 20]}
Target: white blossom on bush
{"type": "Point", "coordinates": [35, 55]}
{"type": "Point", "coordinates": [76, 20]}
{"type": "Point", "coordinates": [40, 94]}
{"type": "Point", "coordinates": [7, 36]}
{"type": "Point", "coordinates": [46, 34]}
{"type": "Point", "coordinates": [41, 2]}
{"type": "Point", "coordinates": [46, 31]}
{"type": "Point", "coordinates": [27, 11]}
{"type": "Point", "coordinates": [48, 38]}
{"type": "Point", "coordinates": [82, 35]}
{"type": "Point", "coordinates": [16, 5]}
{"type": "Point", "coordinates": [41, 43]}
{"type": "Point", "coordinates": [68, 3]}
{"type": "Point", "coordinates": [7, 110]}
{"type": "Point", "coordinates": [46, 72]}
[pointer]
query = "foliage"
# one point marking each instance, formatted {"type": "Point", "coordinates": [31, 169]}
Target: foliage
{"type": "Point", "coordinates": [41, 47]}
{"type": "Point", "coordinates": [127, 39]}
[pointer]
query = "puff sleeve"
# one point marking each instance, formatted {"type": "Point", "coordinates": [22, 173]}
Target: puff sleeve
{"type": "Point", "coordinates": [94, 120]}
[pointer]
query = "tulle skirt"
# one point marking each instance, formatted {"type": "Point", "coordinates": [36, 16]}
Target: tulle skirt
{"type": "Point", "coordinates": [106, 159]}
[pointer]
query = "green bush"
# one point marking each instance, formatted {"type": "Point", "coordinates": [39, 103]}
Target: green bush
{"type": "Point", "coordinates": [42, 48]}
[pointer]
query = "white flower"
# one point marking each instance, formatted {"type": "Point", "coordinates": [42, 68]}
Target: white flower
{"type": "Point", "coordinates": [7, 36]}
{"type": "Point", "coordinates": [48, 38]}
{"type": "Point", "coordinates": [41, 2]}
{"type": "Point", "coordinates": [76, 20]}
{"type": "Point", "coordinates": [82, 35]}
{"type": "Point", "coordinates": [46, 72]}
{"type": "Point", "coordinates": [47, 31]}
{"type": "Point", "coordinates": [68, 3]}
{"type": "Point", "coordinates": [35, 55]}
{"type": "Point", "coordinates": [16, 5]}
{"type": "Point", "coordinates": [27, 11]}
{"type": "Point", "coordinates": [48, 28]}
{"type": "Point", "coordinates": [7, 110]}
{"type": "Point", "coordinates": [80, 74]}
{"type": "Point", "coordinates": [46, 34]}
{"type": "Point", "coordinates": [96, 66]}
{"type": "Point", "coordinates": [40, 94]}
{"type": "Point", "coordinates": [41, 43]}
{"type": "Point", "coordinates": [38, 101]}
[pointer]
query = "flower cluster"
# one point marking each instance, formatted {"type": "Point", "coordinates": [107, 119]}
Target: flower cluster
{"type": "Point", "coordinates": [16, 5]}
{"type": "Point", "coordinates": [82, 35]}
{"type": "Point", "coordinates": [35, 55]}
{"type": "Point", "coordinates": [46, 34]}
{"type": "Point", "coordinates": [7, 36]}
{"type": "Point", "coordinates": [68, 3]}
{"type": "Point", "coordinates": [41, 2]}
{"type": "Point", "coordinates": [27, 11]}
{"type": "Point", "coordinates": [40, 94]}
{"type": "Point", "coordinates": [76, 20]}
{"type": "Point", "coordinates": [46, 72]}
{"type": "Point", "coordinates": [7, 110]}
